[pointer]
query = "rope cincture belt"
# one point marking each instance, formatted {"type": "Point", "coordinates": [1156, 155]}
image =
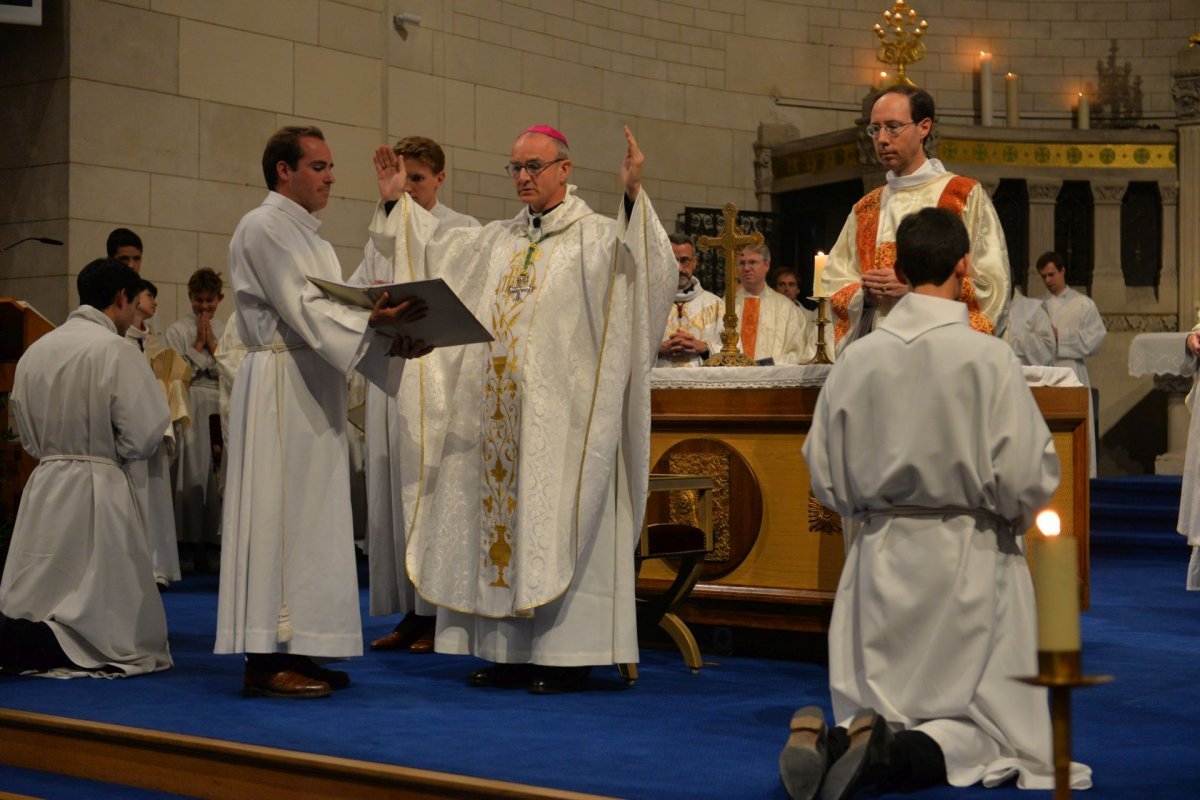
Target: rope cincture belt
{"type": "Point", "coordinates": [74, 457]}
{"type": "Point", "coordinates": [917, 512]}
{"type": "Point", "coordinates": [283, 627]}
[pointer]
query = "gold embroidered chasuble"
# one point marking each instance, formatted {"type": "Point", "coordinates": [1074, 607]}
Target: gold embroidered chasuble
{"type": "Point", "coordinates": [868, 241]}
{"type": "Point", "coordinates": [519, 448]}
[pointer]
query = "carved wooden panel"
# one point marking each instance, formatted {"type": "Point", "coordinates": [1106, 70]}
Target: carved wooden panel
{"type": "Point", "coordinates": [737, 499]}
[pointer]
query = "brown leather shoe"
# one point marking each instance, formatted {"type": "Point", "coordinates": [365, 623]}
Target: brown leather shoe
{"type": "Point", "coordinates": [407, 631]}
{"type": "Point", "coordinates": [285, 683]}
{"type": "Point", "coordinates": [423, 644]}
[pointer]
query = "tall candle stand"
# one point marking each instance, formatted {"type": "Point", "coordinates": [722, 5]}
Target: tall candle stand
{"type": "Point", "coordinates": [1061, 672]}
{"type": "Point", "coordinates": [822, 355]}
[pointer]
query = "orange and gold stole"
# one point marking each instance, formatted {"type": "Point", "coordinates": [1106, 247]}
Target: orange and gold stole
{"type": "Point", "coordinates": [872, 256]}
{"type": "Point", "coordinates": [749, 325]}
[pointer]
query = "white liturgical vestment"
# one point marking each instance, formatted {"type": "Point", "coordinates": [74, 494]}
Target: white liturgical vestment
{"type": "Point", "coordinates": [85, 403]}
{"type": "Point", "coordinates": [927, 437]}
{"type": "Point", "coordinates": [288, 576]}
{"type": "Point", "coordinates": [387, 426]}
{"type": "Point", "coordinates": [696, 311]}
{"type": "Point", "coordinates": [197, 500]}
{"type": "Point", "coordinates": [1081, 332]}
{"type": "Point", "coordinates": [781, 331]}
{"type": "Point", "coordinates": [868, 241]}
{"type": "Point", "coordinates": [1028, 331]}
{"type": "Point", "coordinates": [534, 449]}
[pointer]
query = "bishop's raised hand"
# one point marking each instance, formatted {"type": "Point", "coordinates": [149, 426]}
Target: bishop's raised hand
{"type": "Point", "coordinates": [389, 170]}
{"type": "Point", "coordinates": [631, 168]}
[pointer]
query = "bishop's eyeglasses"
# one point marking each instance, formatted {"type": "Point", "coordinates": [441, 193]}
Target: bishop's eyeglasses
{"type": "Point", "coordinates": [532, 168]}
{"type": "Point", "coordinates": [891, 128]}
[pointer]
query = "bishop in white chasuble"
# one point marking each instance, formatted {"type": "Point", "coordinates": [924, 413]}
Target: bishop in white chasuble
{"type": "Point", "coordinates": [534, 449]}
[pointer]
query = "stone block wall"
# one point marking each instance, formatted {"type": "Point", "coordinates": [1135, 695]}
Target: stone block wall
{"type": "Point", "coordinates": [152, 113]}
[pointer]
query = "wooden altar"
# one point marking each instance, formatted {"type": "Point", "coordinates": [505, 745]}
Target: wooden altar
{"type": "Point", "coordinates": [783, 554]}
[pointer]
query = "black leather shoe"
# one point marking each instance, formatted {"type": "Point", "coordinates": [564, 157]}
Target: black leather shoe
{"type": "Point", "coordinates": [802, 762]}
{"type": "Point", "coordinates": [502, 676]}
{"type": "Point", "coordinates": [336, 678]}
{"type": "Point", "coordinates": [557, 680]}
{"type": "Point", "coordinates": [865, 763]}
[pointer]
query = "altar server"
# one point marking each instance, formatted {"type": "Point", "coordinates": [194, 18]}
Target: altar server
{"type": "Point", "coordinates": [927, 436]}
{"type": "Point", "coordinates": [289, 586]}
{"type": "Point", "coordinates": [78, 594]}
{"type": "Point", "coordinates": [387, 425]}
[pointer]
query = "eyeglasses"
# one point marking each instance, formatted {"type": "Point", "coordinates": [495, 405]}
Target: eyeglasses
{"type": "Point", "coordinates": [893, 129]}
{"type": "Point", "coordinates": [532, 168]}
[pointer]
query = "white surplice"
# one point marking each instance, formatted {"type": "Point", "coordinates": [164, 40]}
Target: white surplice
{"type": "Point", "coordinates": [699, 312]}
{"type": "Point", "coordinates": [1028, 331]}
{"type": "Point", "coordinates": [288, 576]}
{"type": "Point", "coordinates": [151, 479]}
{"type": "Point", "coordinates": [387, 427]}
{"type": "Point", "coordinates": [935, 611]}
{"type": "Point", "coordinates": [197, 500]}
{"type": "Point", "coordinates": [1081, 333]}
{"type": "Point", "coordinates": [783, 332]}
{"type": "Point", "coordinates": [85, 403]}
{"type": "Point", "coordinates": [930, 185]}
{"type": "Point", "coordinates": [534, 449]}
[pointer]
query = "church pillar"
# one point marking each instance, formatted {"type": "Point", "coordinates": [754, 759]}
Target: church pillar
{"type": "Point", "coordinates": [1108, 282]}
{"type": "Point", "coordinates": [1042, 195]}
{"type": "Point", "coordinates": [1186, 91]}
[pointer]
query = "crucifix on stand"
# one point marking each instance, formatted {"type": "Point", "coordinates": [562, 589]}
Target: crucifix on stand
{"type": "Point", "coordinates": [729, 240]}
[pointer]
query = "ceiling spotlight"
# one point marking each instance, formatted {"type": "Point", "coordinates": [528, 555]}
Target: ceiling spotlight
{"type": "Point", "coordinates": [403, 20]}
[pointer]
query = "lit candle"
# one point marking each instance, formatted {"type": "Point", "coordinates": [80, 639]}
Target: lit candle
{"type": "Point", "coordinates": [1084, 118]}
{"type": "Point", "coordinates": [1055, 583]}
{"type": "Point", "coordinates": [1010, 100]}
{"type": "Point", "coordinates": [883, 80]}
{"type": "Point", "coordinates": [818, 274]}
{"type": "Point", "coordinates": [985, 88]}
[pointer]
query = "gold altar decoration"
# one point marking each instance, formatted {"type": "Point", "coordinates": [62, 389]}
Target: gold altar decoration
{"type": "Point", "coordinates": [898, 46]}
{"type": "Point", "coordinates": [729, 240]}
{"type": "Point", "coordinates": [822, 519]}
{"type": "Point", "coordinates": [683, 504]}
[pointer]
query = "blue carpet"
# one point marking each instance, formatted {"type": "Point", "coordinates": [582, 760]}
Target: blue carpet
{"type": "Point", "coordinates": [674, 735]}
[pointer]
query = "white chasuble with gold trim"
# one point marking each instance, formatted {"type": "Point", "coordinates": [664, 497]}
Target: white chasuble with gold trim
{"type": "Point", "coordinates": [540, 439]}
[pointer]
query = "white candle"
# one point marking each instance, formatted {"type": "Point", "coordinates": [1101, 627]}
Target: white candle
{"type": "Point", "coordinates": [883, 80]}
{"type": "Point", "coordinates": [1055, 584]}
{"type": "Point", "coordinates": [1084, 117]}
{"type": "Point", "coordinates": [1013, 114]}
{"type": "Point", "coordinates": [818, 274]}
{"type": "Point", "coordinates": [985, 88]}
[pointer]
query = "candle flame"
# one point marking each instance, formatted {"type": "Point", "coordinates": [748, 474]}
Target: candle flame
{"type": "Point", "coordinates": [1048, 523]}
{"type": "Point", "coordinates": [820, 252]}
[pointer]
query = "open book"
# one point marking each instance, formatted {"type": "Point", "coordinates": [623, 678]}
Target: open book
{"type": "Point", "coordinates": [447, 322]}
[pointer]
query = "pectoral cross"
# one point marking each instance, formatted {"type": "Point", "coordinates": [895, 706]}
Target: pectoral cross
{"type": "Point", "coordinates": [729, 240]}
{"type": "Point", "coordinates": [522, 287]}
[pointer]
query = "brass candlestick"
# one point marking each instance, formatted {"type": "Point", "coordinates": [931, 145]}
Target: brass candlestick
{"type": "Point", "coordinates": [1061, 672]}
{"type": "Point", "coordinates": [822, 354]}
{"type": "Point", "coordinates": [898, 47]}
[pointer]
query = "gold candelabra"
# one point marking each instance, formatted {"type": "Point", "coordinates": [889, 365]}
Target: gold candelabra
{"type": "Point", "coordinates": [898, 45]}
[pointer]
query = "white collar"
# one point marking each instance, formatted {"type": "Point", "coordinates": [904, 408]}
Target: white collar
{"type": "Point", "coordinates": [930, 170]}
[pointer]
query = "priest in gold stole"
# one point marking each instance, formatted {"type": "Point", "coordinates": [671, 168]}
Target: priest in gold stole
{"type": "Point", "coordinates": [533, 450]}
{"type": "Point", "coordinates": [859, 275]}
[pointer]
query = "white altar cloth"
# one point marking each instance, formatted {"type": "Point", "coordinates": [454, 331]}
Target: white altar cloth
{"type": "Point", "coordinates": [802, 375]}
{"type": "Point", "coordinates": [1160, 354]}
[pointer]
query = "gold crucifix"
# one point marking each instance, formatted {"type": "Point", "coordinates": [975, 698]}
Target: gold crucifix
{"type": "Point", "coordinates": [729, 240]}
